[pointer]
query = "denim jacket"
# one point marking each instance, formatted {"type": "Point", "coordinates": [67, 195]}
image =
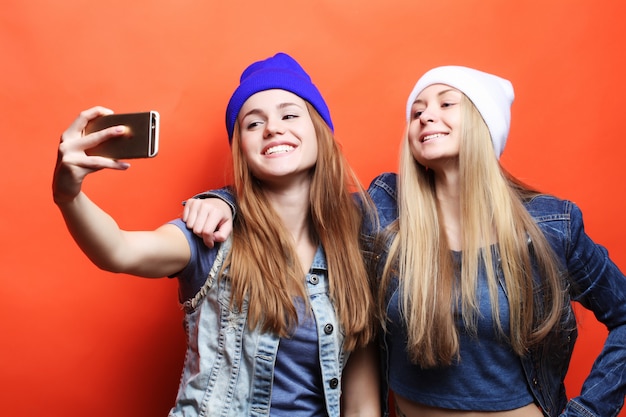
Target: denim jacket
{"type": "Point", "coordinates": [228, 369]}
{"type": "Point", "coordinates": [594, 281]}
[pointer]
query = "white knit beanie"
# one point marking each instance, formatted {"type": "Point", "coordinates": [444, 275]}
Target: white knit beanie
{"type": "Point", "coordinates": [491, 95]}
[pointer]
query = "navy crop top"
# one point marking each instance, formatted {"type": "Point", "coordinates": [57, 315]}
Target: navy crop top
{"type": "Point", "coordinates": [487, 377]}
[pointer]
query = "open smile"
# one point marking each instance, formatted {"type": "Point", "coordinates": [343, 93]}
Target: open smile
{"type": "Point", "coordinates": [433, 136]}
{"type": "Point", "coordinates": [278, 149]}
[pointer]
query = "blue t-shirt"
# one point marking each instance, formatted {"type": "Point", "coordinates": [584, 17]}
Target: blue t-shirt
{"type": "Point", "coordinates": [297, 388]}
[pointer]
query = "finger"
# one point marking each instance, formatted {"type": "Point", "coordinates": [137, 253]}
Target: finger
{"type": "Point", "coordinates": [93, 139]}
{"type": "Point", "coordinates": [190, 213]}
{"type": "Point", "coordinates": [208, 241]}
{"type": "Point", "coordinates": [78, 125]}
{"type": "Point", "coordinates": [72, 153]}
{"type": "Point", "coordinates": [73, 140]}
{"type": "Point", "coordinates": [197, 213]}
{"type": "Point", "coordinates": [71, 170]}
{"type": "Point", "coordinates": [100, 162]}
{"type": "Point", "coordinates": [211, 219]}
{"type": "Point", "coordinates": [224, 230]}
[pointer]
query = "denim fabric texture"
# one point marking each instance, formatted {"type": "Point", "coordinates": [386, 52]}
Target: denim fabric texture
{"type": "Point", "coordinates": [228, 369]}
{"type": "Point", "coordinates": [594, 281]}
{"type": "Point", "coordinates": [488, 377]}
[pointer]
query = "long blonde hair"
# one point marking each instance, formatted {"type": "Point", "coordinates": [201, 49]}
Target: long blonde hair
{"type": "Point", "coordinates": [492, 204]}
{"type": "Point", "coordinates": [263, 263]}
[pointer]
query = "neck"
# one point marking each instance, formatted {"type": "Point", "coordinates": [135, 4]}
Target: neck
{"type": "Point", "coordinates": [293, 207]}
{"type": "Point", "coordinates": [448, 193]}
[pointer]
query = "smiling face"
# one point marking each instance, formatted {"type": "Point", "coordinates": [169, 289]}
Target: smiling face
{"type": "Point", "coordinates": [278, 138]}
{"type": "Point", "coordinates": [435, 126]}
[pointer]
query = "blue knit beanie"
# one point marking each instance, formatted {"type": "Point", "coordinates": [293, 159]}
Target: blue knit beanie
{"type": "Point", "coordinates": [278, 72]}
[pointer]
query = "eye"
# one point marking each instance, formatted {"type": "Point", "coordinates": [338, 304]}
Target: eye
{"type": "Point", "coordinates": [416, 111]}
{"type": "Point", "coordinates": [253, 124]}
{"type": "Point", "coordinates": [290, 116]}
{"type": "Point", "coordinates": [447, 104]}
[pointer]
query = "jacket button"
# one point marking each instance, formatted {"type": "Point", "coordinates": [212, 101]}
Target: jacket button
{"type": "Point", "coordinates": [314, 279]}
{"type": "Point", "coordinates": [328, 329]}
{"type": "Point", "coordinates": [334, 383]}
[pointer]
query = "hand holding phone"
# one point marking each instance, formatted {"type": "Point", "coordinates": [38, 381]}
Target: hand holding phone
{"type": "Point", "coordinates": [141, 141]}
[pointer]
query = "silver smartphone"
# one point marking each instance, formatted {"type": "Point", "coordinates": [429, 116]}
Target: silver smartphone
{"type": "Point", "coordinates": [141, 141]}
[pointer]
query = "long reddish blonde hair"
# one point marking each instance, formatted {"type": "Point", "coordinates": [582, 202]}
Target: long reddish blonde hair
{"type": "Point", "coordinates": [263, 264]}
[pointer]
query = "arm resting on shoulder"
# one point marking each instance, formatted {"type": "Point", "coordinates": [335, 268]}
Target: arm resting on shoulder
{"type": "Point", "coordinates": [210, 215]}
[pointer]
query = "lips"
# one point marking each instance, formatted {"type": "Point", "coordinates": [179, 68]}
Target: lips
{"type": "Point", "coordinates": [272, 150]}
{"type": "Point", "coordinates": [426, 138]}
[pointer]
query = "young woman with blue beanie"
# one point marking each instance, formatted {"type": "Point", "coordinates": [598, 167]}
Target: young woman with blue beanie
{"type": "Point", "coordinates": [279, 316]}
{"type": "Point", "coordinates": [478, 271]}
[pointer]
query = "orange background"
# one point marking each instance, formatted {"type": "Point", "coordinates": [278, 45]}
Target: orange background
{"type": "Point", "coordinates": [79, 341]}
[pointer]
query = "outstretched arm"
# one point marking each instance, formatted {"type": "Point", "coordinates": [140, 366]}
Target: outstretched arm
{"type": "Point", "coordinates": [157, 253]}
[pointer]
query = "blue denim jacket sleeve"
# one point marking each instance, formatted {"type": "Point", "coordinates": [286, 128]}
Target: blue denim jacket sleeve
{"type": "Point", "coordinates": [383, 192]}
{"type": "Point", "coordinates": [599, 285]}
{"type": "Point", "coordinates": [226, 194]}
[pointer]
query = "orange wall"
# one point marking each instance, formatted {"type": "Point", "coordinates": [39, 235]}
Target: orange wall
{"type": "Point", "coordinates": [79, 341]}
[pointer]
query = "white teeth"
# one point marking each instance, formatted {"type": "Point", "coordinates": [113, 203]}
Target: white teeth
{"type": "Point", "coordinates": [278, 149]}
{"type": "Point", "coordinates": [429, 137]}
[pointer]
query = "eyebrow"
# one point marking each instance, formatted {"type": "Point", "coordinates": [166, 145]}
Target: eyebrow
{"type": "Point", "coordinates": [280, 106]}
{"type": "Point", "coordinates": [441, 93]}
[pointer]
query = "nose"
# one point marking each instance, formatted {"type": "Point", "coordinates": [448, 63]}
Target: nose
{"type": "Point", "coordinates": [427, 116]}
{"type": "Point", "coordinates": [273, 127]}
